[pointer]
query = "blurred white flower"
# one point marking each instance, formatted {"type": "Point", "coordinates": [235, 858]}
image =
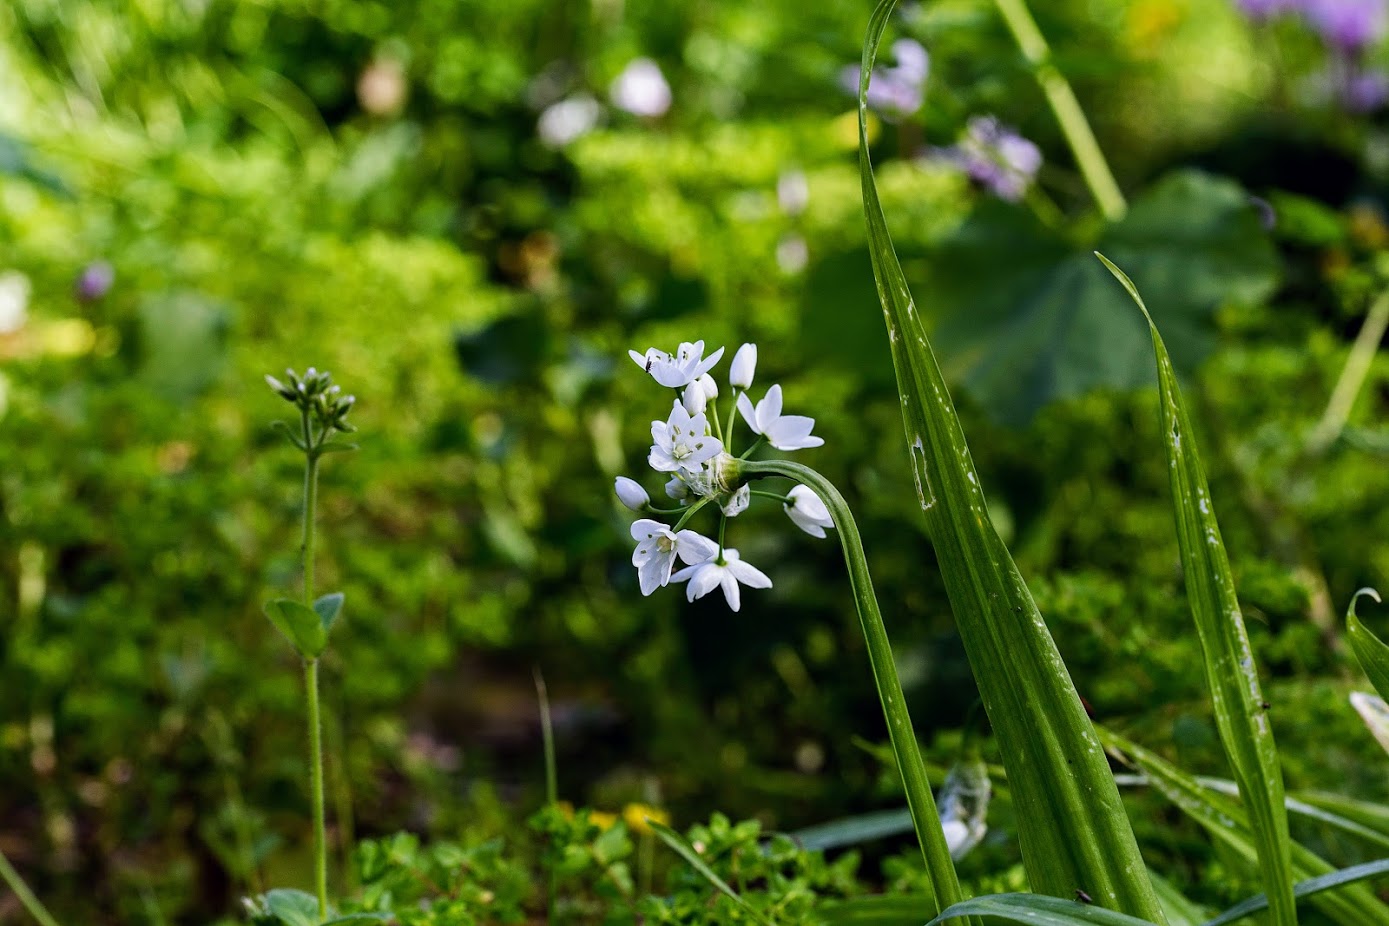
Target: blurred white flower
{"type": "Point", "coordinates": [808, 512]}
{"type": "Point", "coordinates": [382, 89]}
{"type": "Point", "coordinates": [641, 89]}
{"type": "Point", "coordinates": [784, 432]}
{"type": "Point", "coordinates": [568, 120]}
{"type": "Point", "coordinates": [724, 572]}
{"type": "Point", "coordinates": [792, 192]}
{"type": "Point", "coordinates": [14, 301]}
{"type": "Point", "coordinates": [792, 254]}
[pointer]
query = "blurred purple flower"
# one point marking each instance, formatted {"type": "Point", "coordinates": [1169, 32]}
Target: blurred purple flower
{"type": "Point", "coordinates": [94, 281]}
{"type": "Point", "coordinates": [1263, 10]}
{"type": "Point", "coordinates": [1349, 25]}
{"type": "Point", "coordinates": [895, 91]}
{"type": "Point", "coordinates": [641, 89]}
{"type": "Point", "coordinates": [1364, 91]}
{"type": "Point", "coordinates": [996, 157]}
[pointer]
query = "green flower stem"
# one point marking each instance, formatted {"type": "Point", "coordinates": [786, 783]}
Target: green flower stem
{"type": "Point", "coordinates": [690, 513]}
{"type": "Point", "coordinates": [1352, 379]}
{"type": "Point", "coordinates": [320, 848]}
{"type": "Point", "coordinates": [1064, 105]}
{"type": "Point", "coordinates": [320, 834]}
{"type": "Point", "coordinates": [27, 899]}
{"type": "Point", "coordinates": [922, 804]}
{"type": "Point", "coordinates": [779, 496]}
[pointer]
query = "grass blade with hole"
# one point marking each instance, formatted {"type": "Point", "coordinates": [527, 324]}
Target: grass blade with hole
{"type": "Point", "coordinates": [1241, 715]}
{"type": "Point", "coordinates": [1071, 823]}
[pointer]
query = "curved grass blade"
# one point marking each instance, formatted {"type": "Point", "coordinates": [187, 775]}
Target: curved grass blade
{"type": "Point", "coordinates": [1369, 649]}
{"type": "Point", "coordinates": [1304, 889]}
{"type": "Point", "coordinates": [686, 851]}
{"type": "Point", "coordinates": [875, 910]}
{"type": "Point", "coordinates": [1225, 819]}
{"type": "Point", "coordinates": [1240, 711]}
{"type": "Point", "coordinates": [1072, 825]}
{"type": "Point", "coordinates": [1038, 910]}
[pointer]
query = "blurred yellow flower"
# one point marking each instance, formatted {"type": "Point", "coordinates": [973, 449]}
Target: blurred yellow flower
{"type": "Point", "coordinates": [636, 815]}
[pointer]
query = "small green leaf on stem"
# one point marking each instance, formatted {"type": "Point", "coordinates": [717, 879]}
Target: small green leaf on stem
{"type": "Point", "coordinates": [303, 627]}
{"type": "Point", "coordinates": [328, 608]}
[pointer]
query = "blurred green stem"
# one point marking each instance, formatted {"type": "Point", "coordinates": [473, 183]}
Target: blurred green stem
{"type": "Point", "coordinates": [1352, 379]}
{"type": "Point", "coordinates": [1064, 105]}
{"type": "Point", "coordinates": [320, 835]}
{"type": "Point", "coordinates": [547, 738]}
{"type": "Point", "coordinates": [925, 817]}
{"type": "Point", "coordinates": [26, 897]}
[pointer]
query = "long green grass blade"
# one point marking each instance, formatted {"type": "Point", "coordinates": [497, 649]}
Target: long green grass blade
{"type": "Point", "coordinates": [1225, 819]}
{"type": "Point", "coordinates": [1369, 649]}
{"type": "Point", "coordinates": [686, 851]}
{"type": "Point", "coordinates": [1179, 909]}
{"type": "Point", "coordinates": [1304, 889]}
{"type": "Point", "coordinates": [1241, 715]}
{"type": "Point", "coordinates": [1071, 823]}
{"type": "Point", "coordinates": [875, 910]}
{"type": "Point", "coordinates": [1038, 910]}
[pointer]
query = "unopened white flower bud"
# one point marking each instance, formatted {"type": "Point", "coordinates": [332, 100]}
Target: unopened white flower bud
{"type": "Point", "coordinates": [711, 388]}
{"type": "Point", "coordinates": [694, 399]}
{"type": "Point", "coordinates": [631, 494]}
{"type": "Point", "coordinates": [744, 366]}
{"type": "Point", "coordinates": [677, 489]}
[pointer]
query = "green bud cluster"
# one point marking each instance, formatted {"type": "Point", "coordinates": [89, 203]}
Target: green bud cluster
{"type": "Point", "coordinates": [316, 395]}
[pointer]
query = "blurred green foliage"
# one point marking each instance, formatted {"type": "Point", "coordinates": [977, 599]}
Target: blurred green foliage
{"type": "Point", "coordinates": [361, 186]}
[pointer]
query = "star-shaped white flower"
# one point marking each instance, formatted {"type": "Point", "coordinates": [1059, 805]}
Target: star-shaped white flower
{"type": "Point", "coordinates": [682, 443]}
{"type": "Point", "coordinates": [784, 432]}
{"type": "Point", "coordinates": [688, 364]}
{"type": "Point", "coordinates": [657, 548]}
{"type": "Point", "coordinates": [726, 574]}
{"type": "Point", "coordinates": [808, 512]}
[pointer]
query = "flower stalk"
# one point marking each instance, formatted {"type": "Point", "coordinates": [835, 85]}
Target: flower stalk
{"type": "Point", "coordinates": [27, 899]}
{"type": "Point", "coordinates": [925, 818]}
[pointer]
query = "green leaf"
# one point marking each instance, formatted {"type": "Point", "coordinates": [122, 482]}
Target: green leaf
{"type": "Point", "coordinates": [1305, 888]}
{"type": "Point", "coordinates": [302, 626]}
{"type": "Point", "coordinates": [15, 161]}
{"type": "Point", "coordinates": [1024, 330]}
{"type": "Point", "coordinates": [688, 853]}
{"type": "Point", "coordinates": [1180, 911]}
{"type": "Point", "coordinates": [1371, 652]}
{"type": "Point", "coordinates": [291, 907]}
{"type": "Point", "coordinates": [1225, 820]}
{"type": "Point", "coordinates": [1039, 910]}
{"type": "Point", "coordinates": [851, 831]}
{"type": "Point", "coordinates": [328, 608]}
{"type": "Point", "coordinates": [1241, 714]}
{"type": "Point", "coordinates": [182, 344]}
{"type": "Point", "coordinates": [1071, 823]}
{"type": "Point", "coordinates": [876, 910]}
{"type": "Point", "coordinates": [359, 919]}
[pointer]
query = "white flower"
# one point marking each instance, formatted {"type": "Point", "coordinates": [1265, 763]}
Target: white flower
{"type": "Point", "coordinates": [808, 512]}
{"type": "Point", "coordinates": [711, 574]}
{"type": "Point", "coordinates": [792, 192]}
{"type": "Point", "coordinates": [682, 443]}
{"type": "Point", "coordinates": [631, 494]}
{"type": "Point", "coordinates": [678, 489]}
{"type": "Point", "coordinates": [744, 365]}
{"type": "Point", "coordinates": [641, 89]}
{"type": "Point", "coordinates": [688, 364]}
{"type": "Point", "coordinates": [711, 388]}
{"type": "Point", "coordinates": [568, 120]}
{"type": "Point", "coordinates": [14, 301]}
{"type": "Point", "coordinates": [694, 398]}
{"type": "Point", "coordinates": [738, 502]}
{"type": "Point", "coordinates": [657, 548]}
{"type": "Point", "coordinates": [784, 432]}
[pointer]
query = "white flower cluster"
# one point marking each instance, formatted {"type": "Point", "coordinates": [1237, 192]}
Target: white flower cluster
{"type": "Point", "coordinates": [694, 447]}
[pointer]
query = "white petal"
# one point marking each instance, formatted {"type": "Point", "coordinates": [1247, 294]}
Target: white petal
{"type": "Point", "coordinates": [769, 409]}
{"type": "Point", "coordinates": [708, 363]}
{"type": "Point", "coordinates": [638, 359]}
{"type": "Point", "coordinates": [683, 575]}
{"type": "Point", "coordinates": [705, 580]}
{"type": "Point", "coordinates": [749, 414]}
{"type": "Point", "coordinates": [655, 572]}
{"type": "Point", "coordinates": [646, 529]}
{"type": "Point", "coordinates": [749, 575]}
{"type": "Point", "coordinates": [695, 548]}
{"type": "Point", "coordinates": [792, 432]}
{"type": "Point", "coordinates": [731, 593]}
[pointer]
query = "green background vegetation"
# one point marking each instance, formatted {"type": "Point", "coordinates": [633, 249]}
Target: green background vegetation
{"type": "Point", "coordinates": [477, 290]}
